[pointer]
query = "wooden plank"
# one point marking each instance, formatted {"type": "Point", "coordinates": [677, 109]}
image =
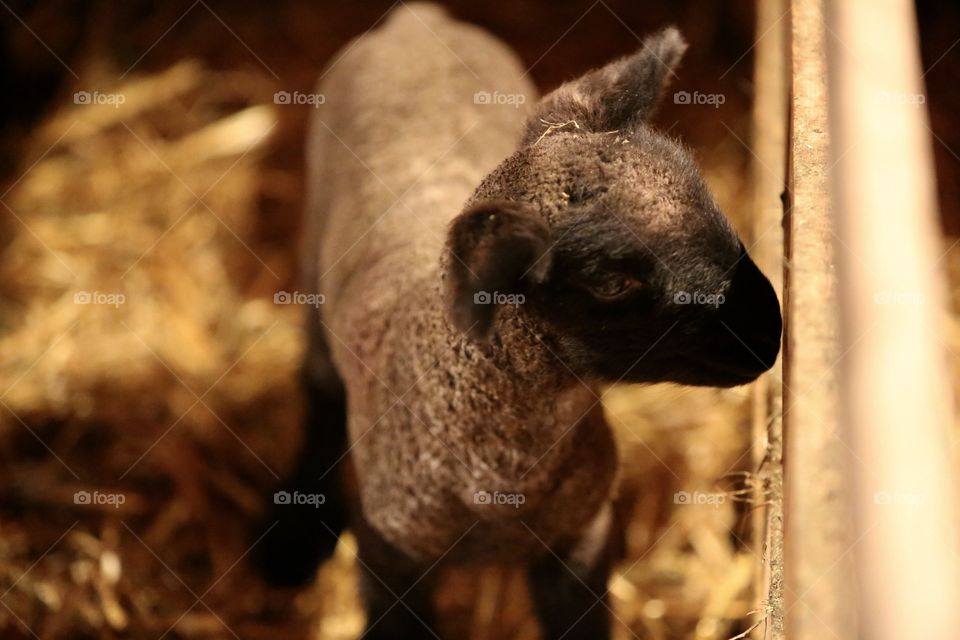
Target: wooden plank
{"type": "Point", "coordinates": [820, 594]}
{"type": "Point", "coordinates": [896, 403]}
{"type": "Point", "coordinates": [768, 176]}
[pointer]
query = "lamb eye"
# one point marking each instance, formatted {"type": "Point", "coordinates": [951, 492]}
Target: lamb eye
{"type": "Point", "coordinates": [614, 286]}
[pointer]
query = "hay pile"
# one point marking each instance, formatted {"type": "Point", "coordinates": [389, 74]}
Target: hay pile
{"type": "Point", "coordinates": [141, 357]}
{"type": "Point", "coordinates": [144, 365]}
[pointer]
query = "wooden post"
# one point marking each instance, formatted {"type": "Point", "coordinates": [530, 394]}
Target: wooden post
{"type": "Point", "coordinates": [769, 142]}
{"type": "Point", "coordinates": [820, 587]}
{"type": "Point", "coordinates": [896, 407]}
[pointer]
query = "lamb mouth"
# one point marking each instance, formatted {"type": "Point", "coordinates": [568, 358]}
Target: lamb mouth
{"type": "Point", "coordinates": [710, 373]}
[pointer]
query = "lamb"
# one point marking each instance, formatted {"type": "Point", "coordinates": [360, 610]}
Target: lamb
{"type": "Point", "coordinates": [487, 261]}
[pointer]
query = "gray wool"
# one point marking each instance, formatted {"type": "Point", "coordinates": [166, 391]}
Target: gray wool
{"type": "Point", "coordinates": [433, 417]}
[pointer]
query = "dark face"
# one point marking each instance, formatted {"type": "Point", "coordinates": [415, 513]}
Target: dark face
{"type": "Point", "coordinates": [648, 282]}
{"type": "Point", "coordinates": [635, 317]}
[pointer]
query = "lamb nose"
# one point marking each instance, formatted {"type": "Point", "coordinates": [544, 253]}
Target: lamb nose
{"type": "Point", "coordinates": [751, 312]}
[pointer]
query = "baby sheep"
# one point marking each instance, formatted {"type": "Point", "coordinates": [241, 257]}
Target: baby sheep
{"type": "Point", "coordinates": [487, 262]}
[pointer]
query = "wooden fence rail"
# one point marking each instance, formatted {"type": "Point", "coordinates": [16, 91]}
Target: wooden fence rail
{"type": "Point", "coordinates": [863, 544]}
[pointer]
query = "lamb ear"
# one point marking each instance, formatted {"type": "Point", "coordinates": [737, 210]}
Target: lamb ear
{"type": "Point", "coordinates": [615, 96]}
{"type": "Point", "coordinates": [495, 250]}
